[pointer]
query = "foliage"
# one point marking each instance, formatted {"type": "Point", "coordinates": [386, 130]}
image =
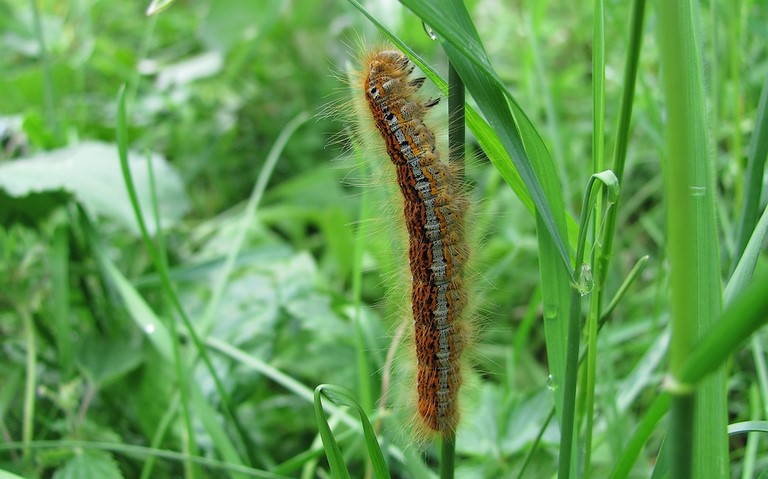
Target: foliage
{"type": "Point", "coordinates": [180, 330]}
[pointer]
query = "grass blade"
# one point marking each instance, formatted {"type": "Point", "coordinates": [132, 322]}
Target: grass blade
{"type": "Point", "coordinates": [60, 289]}
{"type": "Point", "coordinates": [758, 150]}
{"type": "Point", "coordinates": [341, 396]}
{"type": "Point", "coordinates": [451, 21]}
{"type": "Point", "coordinates": [529, 158]}
{"type": "Point", "coordinates": [742, 274]}
{"type": "Point", "coordinates": [745, 315]}
{"type": "Point", "coordinates": [692, 246]}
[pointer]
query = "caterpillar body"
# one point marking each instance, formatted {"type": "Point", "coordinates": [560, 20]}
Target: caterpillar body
{"type": "Point", "coordinates": [434, 206]}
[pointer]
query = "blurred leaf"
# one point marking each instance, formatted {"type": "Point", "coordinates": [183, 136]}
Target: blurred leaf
{"type": "Point", "coordinates": [228, 22]}
{"type": "Point", "coordinates": [9, 475]}
{"type": "Point", "coordinates": [189, 69]}
{"type": "Point", "coordinates": [91, 172]}
{"type": "Point", "coordinates": [31, 209]}
{"type": "Point", "coordinates": [106, 360]}
{"type": "Point", "coordinates": [23, 88]}
{"type": "Point", "coordinates": [158, 6]}
{"type": "Point", "coordinates": [139, 311]}
{"type": "Point", "coordinates": [500, 424]}
{"type": "Point", "coordinates": [90, 465]}
{"type": "Point", "coordinates": [745, 267]}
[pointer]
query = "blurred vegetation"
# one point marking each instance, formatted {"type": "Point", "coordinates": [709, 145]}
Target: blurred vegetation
{"type": "Point", "coordinates": [210, 86]}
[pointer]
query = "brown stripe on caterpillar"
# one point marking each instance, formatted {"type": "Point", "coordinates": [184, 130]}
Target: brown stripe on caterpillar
{"type": "Point", "coordinates": [433, 209]}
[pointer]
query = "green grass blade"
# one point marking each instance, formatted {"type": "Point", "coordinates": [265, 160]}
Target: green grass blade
{"type": "Point", "coordinates": [159, 335]}
{"type": "Point", "coordinates": [753, 180]}
{"type": "Point", "coordinates": [486, 137]}
{"type": "Point", "coordinates": [30, 380]}
{"type": "Point", "coordinates": [341, 396]}
{"type": "Point", "coordinates": [361, 349]}
{"type": "Point", "coordinates": [138, 310]}
{"type": "Point", "coordinates": [568, 439]}
{"type": "Point", "coordinates": [598, 164]}
{"type": "Point", "coordinates": [692, 245]}
{"type": "Point", "coordinates": [162, 267]}
{"type": "Point", "coordinates": [747, 426]}
{"type": "Point", "coordinates": [8, 475]}
{"type": "Point", "coordinates": [742, 274]}
{"type": "Point", "coordinates": [643, 431]}
{"type": "Point", "coordinates": [210, 421]}
{"type": "Point", "coordinates": [530, 159]}
{"type": "Point", "coordinates": [636, 21]}
{"type": "Point", "coordinates": [451, 21]}
{"type": "Point", "coordinates": [636, 270]}
{"type": "Point", "coordinates": [60, 290]}
{"type": "Point", "coordinates": [758, 151]}
{"type": "Point", "coordinates": [745, 315]}
{"type": "Point", "coordinates": [250, 210]}
{"type": "Point", "coordinates": [45, 60]}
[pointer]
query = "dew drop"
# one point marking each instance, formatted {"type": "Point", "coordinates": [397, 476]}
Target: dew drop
{"type": "Point", "coordinates": [698, 190]}
{"type": "Point", "coordinates": [586, 280]}
{"type": "Point", "coordinates": [550, 310]}
{"type": "Point", "coordinates": [429, 31]}
{"type": "Point", "coordinates": [149, 328]}
{"type": "Point", "coordinates": [551, 384]}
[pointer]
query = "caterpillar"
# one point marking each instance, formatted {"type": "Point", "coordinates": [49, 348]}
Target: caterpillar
{"type": "Point", "coordinates": [434, 205]}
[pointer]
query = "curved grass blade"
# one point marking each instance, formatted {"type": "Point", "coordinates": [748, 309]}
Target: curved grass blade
{"type": "Point", "coordinates": [643, 431]}
{"type": "Point", "coordinates": [742, 317]}
{"type": "Point", "coordinates": [747, 426]}
{"type": "Point", "coordinates": [486, 137]}
{"type": "Point", "coordinates": [753, 180]}
{"type": "Point", "coordinates": [341, 396]}
{"type": "Point", "coordinates": [746, 265]}
{"type": "Point", "coordinates": [451, 21]}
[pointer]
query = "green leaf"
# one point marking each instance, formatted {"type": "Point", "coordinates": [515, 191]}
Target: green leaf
{"type": "Point", "coordinates": [692, 245]}
{"type": "Point", "coordinates": [341, 396]}
{"type": "Point", "coordinates": [121, 354]}
{"type": "Point", "coordinates": [30, 209]}
{"type": "Point", "coordinates": [9, 475]}
{"type": "Point", "coordinates": [91, 173]}
{"type": "Point", "coordinates": [90, 465]}
{"type": "Point", "coordinates": [451, 22]}
{"type": "Point", "coordinates": [747, 426]}
{"type": "Point", "coordinates": [742, 274]}
{"type": "Point", "coordinates": [745, 315]}
{"type": "Point", "coordinates": [332, 452]}
{"type": "Point", "coordinates": [753, 179]}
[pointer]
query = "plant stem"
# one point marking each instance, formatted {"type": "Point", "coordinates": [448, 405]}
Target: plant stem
{"type": "Point", "coordinates": [447, 455]}
{"type": "Point", "coordinates": [27, 424]}
{"type": "Point", "coordinates": [48, 92]}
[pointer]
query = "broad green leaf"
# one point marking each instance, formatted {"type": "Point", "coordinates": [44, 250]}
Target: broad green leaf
{"type": "Point", "coordinates": [89, 465]}
{"type": "Point", "coordinates": [91, 173]}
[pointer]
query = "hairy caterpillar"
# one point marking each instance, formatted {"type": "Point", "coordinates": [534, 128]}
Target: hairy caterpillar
{"type": "Point", "coordinates": [434, 206]}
